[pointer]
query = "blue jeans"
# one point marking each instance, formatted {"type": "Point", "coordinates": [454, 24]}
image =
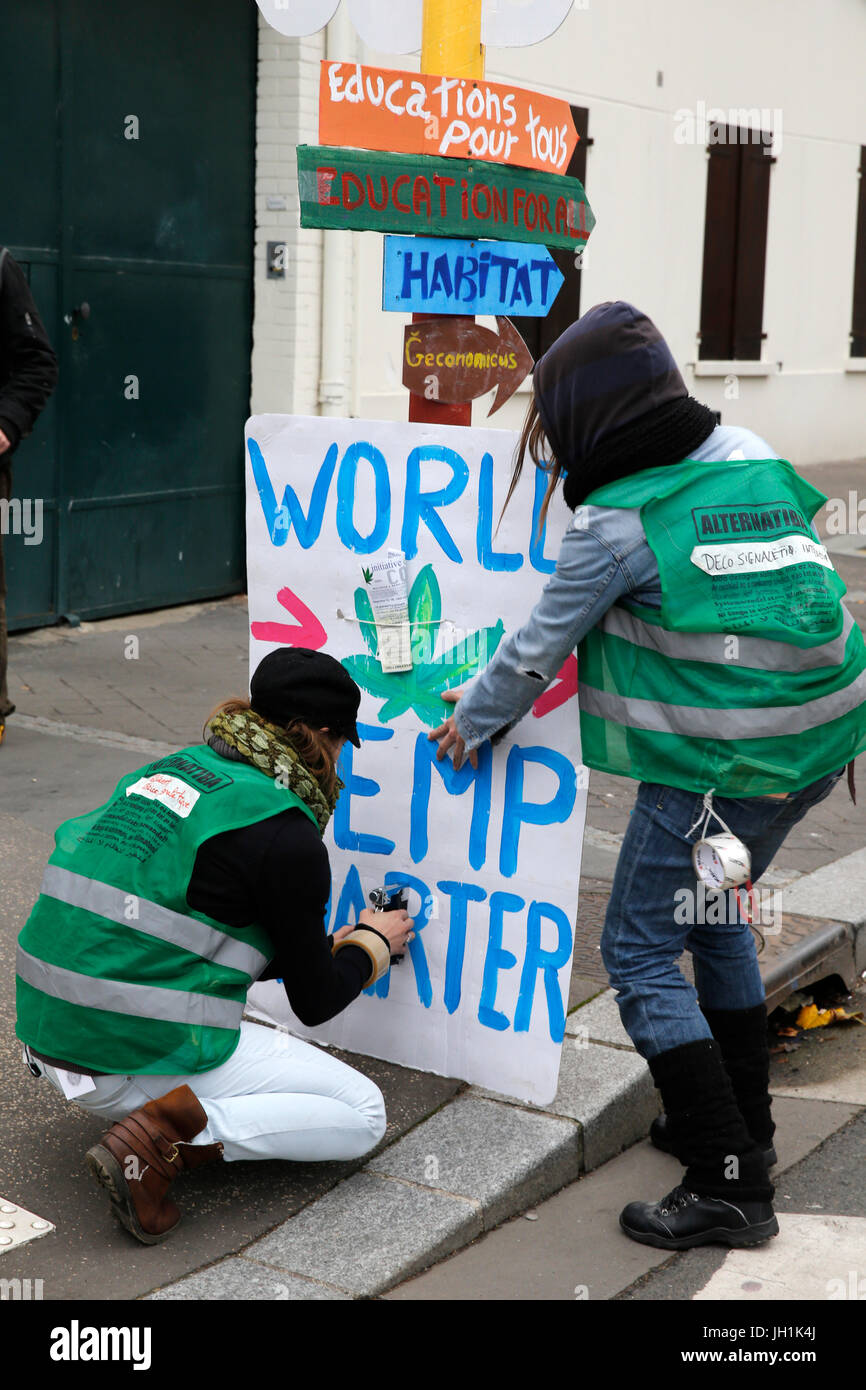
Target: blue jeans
{"type": "Point", "coordinates": [657, 911]}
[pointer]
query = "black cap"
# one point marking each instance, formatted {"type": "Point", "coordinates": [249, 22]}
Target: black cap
{"type": "Point", "coordinates": [297, 683]}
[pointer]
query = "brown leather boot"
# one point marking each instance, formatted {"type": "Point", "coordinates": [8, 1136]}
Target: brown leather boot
{"type": "Point", "coordinates": [139, 1158]}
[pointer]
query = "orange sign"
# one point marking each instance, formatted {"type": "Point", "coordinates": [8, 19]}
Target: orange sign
{"type": "Point", "coordinates": [411, 113]}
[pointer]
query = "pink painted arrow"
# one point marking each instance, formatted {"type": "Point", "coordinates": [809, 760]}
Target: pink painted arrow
{"type": "Point", "coordinates": [559, 693]}
{"type": "Point", "coordinates": [309, 633]}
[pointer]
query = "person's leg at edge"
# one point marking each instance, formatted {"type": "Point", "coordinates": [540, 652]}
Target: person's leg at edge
{"type": "Point", "coordinates": [6, 705]}
{"type": "Point", "coordinates": [725, 1194]}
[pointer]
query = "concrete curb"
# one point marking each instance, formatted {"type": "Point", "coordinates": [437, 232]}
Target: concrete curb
{"type": "Point", "coordinates": [838, 892]}
{"type": "Point", "coordinates": [475, 1163]}
{"type": "Point", "coordinates": [825, 914]}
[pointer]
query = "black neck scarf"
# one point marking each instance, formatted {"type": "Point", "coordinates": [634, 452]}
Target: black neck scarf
{"type": "Point", "coordinates": [663, 436]}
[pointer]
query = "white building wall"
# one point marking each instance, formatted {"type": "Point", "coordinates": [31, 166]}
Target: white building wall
{"type": "Point", "coordinates": [648, 192]}
{"type": "Point", "coordinates": [287, 316]}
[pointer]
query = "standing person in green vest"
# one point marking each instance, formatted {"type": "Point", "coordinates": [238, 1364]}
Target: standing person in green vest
{"type": "Point", "coordinates": [719, 668]}
{"type": "Point", "coordinates": [203, 872]}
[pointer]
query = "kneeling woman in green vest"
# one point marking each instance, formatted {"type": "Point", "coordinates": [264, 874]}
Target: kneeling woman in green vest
{"type": "Point", "coordinates": [204, 872]}
{"type": "Point", "coordinates": [715, 655]}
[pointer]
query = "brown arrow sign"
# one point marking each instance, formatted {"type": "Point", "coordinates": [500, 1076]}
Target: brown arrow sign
{"type": "Point", "coordinates": [455, 360]}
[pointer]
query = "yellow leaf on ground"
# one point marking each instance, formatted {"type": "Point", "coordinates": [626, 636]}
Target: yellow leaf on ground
{"type": "Point", "coordinates": [813, 1017]}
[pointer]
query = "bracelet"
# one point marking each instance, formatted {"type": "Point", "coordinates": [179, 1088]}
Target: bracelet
{"type": "Point", "coordinates": [370, 941]}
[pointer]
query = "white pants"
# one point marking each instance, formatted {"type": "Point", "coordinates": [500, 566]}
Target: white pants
{"type": "Point", "coordinates": [276, 1097]}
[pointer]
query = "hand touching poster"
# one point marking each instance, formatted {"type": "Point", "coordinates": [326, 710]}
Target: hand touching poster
{"type": "Point", "coordinates": [490, 855]}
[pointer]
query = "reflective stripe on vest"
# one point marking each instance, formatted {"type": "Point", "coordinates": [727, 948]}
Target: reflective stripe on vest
{"type": "Point", "coordinates": [152, 919]}
{"type": "Point", "coordinates": [691, 721]}
{"type": "Point", "coordinates": [755, 652]}
{"type": "Point", "coordinates": [121, 997]}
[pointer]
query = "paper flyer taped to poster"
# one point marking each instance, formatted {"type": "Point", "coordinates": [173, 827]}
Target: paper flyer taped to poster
{"type": "Point", "coordinates": [390, 599]}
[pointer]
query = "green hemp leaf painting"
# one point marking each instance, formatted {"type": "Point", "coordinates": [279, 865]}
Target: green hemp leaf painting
{"type": "Point", "coordinates": [421, 688]}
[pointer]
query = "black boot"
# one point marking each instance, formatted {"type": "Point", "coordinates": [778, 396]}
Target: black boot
{"type": "Point", "coordinates": [725, 1196]}
{"type": "Point", "coordinates": [742, 1038]}
{"type": "Point", "coordinates": [683, 1219]}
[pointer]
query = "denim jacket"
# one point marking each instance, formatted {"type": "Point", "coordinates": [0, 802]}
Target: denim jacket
{"type": "Point", "coordinates": [604, 557]}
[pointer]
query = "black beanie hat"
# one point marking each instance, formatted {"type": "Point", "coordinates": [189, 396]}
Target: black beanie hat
{"type": "Point", "coordinates": [612, 401]}
{"type": "Point", "coordinates": [298, 683]}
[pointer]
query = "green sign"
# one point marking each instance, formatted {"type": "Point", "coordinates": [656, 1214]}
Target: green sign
{"type": "Point", "coordinates": [367, 191]}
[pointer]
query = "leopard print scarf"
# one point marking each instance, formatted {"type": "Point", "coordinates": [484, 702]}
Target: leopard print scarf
{"type": "Point", "coordinates": [267, 747]}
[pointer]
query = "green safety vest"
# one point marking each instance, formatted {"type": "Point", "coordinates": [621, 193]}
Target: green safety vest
{"type": "Point", "coordinates": [115, 972]}
{"type": "Point", "coordinates": [752, 677]}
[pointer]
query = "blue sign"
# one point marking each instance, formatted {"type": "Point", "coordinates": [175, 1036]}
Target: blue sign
{"type": "Point", "coordinates": [441, 275]}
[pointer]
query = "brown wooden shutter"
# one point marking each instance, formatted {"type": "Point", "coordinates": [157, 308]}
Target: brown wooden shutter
{"type": "Point", "coordinates": [540, 333]}
{"type": "Point", "coordinates": [858, 316]}
{"type": "Point", "coordinates": [720, 248]}
{"type": "Point", "coordinates": [754, 203]}
{"type": "Point", "coordinates": [735, 244]}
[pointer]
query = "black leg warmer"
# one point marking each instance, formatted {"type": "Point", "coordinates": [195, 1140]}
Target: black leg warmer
{"type": "Point", "coordinates": [711, 1138]}
{"type": "Point", "coordinates": [742, 1038]}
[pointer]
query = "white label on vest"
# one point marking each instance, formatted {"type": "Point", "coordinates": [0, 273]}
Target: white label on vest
{"type": "Point", "coordinates": [732, 557]}
{"type": "Point", "coordinates": [171, 791]}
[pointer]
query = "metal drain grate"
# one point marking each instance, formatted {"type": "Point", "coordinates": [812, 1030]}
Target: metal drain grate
{"type": "Point", "coordinates": [807, 949]}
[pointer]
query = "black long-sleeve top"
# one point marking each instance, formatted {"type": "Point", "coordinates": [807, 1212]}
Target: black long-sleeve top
{"type": "Point", "coordinates": [28, 365]}
{"type": "Point", "coordinates": [276, 873]}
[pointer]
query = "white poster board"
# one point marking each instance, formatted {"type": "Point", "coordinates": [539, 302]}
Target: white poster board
{"type": "Point", "coordinates": [491, 857]}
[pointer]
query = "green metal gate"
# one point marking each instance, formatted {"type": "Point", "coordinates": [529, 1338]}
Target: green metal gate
{"type": "Point", "coordinates": [127, 136]}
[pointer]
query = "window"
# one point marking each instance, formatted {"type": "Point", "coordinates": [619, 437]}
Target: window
{"type": "Point", "coordinates": [858, 317]}
{"type": "Point", "coordinates": [735, 243]}
{"type": "Point", "coordinates": [539, 333]}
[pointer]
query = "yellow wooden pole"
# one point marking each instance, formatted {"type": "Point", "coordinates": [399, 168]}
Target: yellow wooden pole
{"type": "Point", "coordinates": [450, 47]}
{"type": "Point", "coordinates": [451, 38]}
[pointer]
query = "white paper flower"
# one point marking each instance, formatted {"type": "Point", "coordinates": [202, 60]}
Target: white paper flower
{"type": "Point", "coordinates": [397, 28]}
{"type": "Point", "coordinates": [297, 17]}
{"type": "Point", "coordinates": [518, 23]}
